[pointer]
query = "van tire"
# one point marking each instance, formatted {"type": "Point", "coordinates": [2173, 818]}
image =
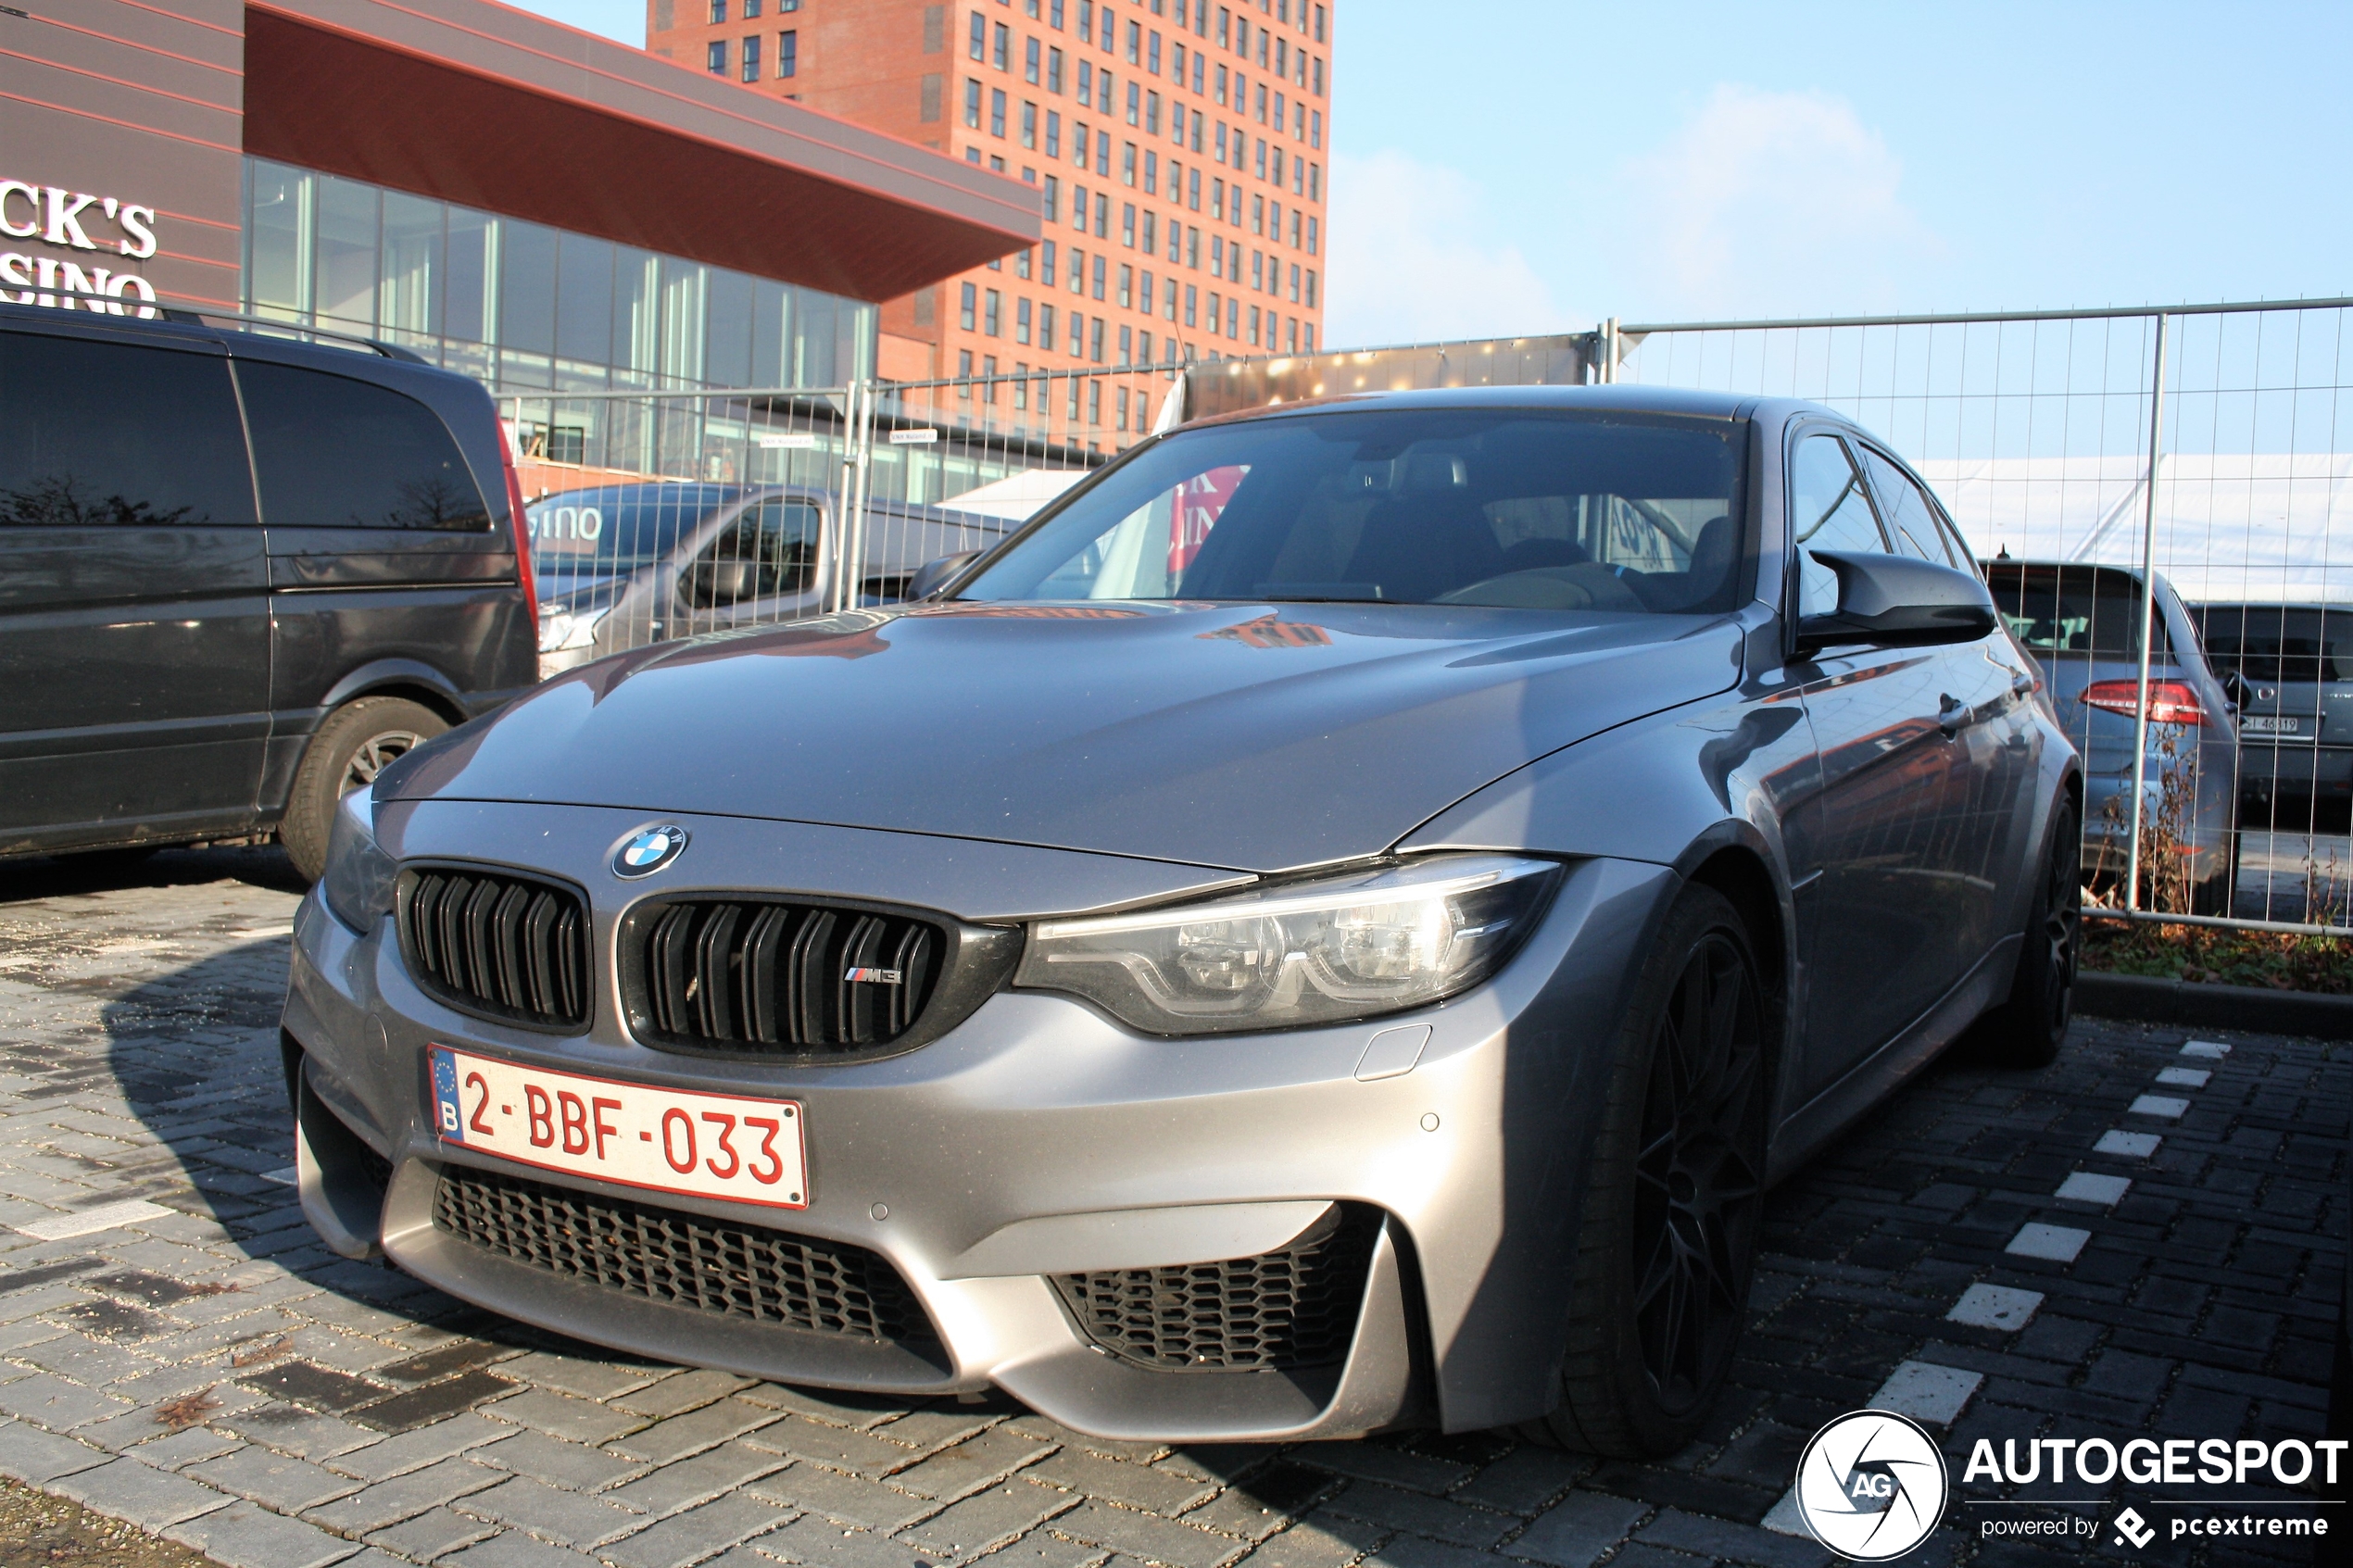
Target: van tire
{"type": "Point", "coordinates": [344, 754]}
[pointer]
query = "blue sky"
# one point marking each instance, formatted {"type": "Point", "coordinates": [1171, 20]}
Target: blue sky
{"type": "Point", "coordinates": [1516, 165]}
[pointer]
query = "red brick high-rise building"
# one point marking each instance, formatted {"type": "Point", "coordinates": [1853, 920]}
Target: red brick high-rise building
{"type": "Point", "coordinates": [1180, 148]}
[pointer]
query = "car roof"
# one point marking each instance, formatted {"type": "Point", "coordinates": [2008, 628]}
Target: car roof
{"type": "Point", "coordinates": [1619, 400]}
{"type": "Point", "coordinates": [298, 344]}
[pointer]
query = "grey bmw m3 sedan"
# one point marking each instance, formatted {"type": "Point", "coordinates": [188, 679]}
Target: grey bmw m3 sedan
{"type": "Point", "coordinates": [1333, 925]}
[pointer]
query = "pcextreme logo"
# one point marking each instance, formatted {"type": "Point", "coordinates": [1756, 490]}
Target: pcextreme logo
{"type": "Point", "coordinates": [1871, 1485]}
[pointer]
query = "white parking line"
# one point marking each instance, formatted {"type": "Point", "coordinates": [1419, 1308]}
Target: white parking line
{"type": "Point", "coordinates": [105, 1216]}
{"type": "Point", "coordinates": [2214, 1050]}
{"type": "Point", "coordinates": [2130, 1146]}
{"type": "Point", "coordinates": [2057, 1243]}
{"type": "Point", "coordinates": [2169, 1106]}
{"type": "Point", "coordinates": [1996, 1306]}
{"type": "Point", "coordinates": [1927, 1392]}
{"type": "Point", "coordinates": [2185, 1077]}
{"type": "Point", "coordinates": [2083, 1187]}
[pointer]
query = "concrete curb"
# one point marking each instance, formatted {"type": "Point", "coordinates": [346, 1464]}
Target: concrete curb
{"type": "Point", "coordinates": [2215, 1007]}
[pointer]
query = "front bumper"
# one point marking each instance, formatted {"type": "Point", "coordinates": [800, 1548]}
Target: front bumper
{"type": "Point", "coordinates": [1036, 1139]}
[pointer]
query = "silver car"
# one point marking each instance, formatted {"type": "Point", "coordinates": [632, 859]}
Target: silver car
{"type": "Point", "coordinates": [1334, 926]}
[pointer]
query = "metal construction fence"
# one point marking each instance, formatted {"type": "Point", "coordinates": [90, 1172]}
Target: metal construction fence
{"type": "Point", "coordinates": [2106, 454]}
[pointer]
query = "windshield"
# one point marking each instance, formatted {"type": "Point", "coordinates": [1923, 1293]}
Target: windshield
{"type": "Point", "coordinates": [617, 528]}
{"type": "Point", "coordinates": [1514, 507]}
{"type": "Point", "coordinates": [2277, 645]}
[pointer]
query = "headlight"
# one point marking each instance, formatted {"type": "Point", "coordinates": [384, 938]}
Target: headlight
{"type": "Point", "coordinates": [1316, 952]}
{"type": "Point", "coordinates": [358, 882]}
{"type": "Point", "coordinates": [562, 630]}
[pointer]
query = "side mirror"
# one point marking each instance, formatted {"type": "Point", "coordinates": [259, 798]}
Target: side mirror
{"type": "Point", "coordinates": [711, 584]}
{"type": "Point", "coordinates": [1897, 601]}
{"type": "Point", "coordinates": [932, 576]}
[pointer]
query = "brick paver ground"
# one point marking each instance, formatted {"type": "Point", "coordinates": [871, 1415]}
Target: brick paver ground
{"type": "Point", "coordinates": [177, 1350]}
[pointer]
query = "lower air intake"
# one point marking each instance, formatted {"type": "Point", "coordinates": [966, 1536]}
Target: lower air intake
{"type": "Point", "coordinates": [730, 1271]}
{"type": "Point", "coordinates": [1278, 1311]}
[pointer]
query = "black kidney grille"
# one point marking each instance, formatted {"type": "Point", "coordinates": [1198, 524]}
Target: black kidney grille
{"type": "Point", "coordinates": [505, 945]}
{"type": "Point", "coordinates": [730, 1271]}
{"type": "Point", "coordinates": [735, 973]}
{"type": "Point", "coordinates": [1277, 1312]}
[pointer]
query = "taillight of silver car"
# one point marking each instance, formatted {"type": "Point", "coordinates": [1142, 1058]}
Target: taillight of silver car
{"type": "Point", "coordinates": [2170, 702]}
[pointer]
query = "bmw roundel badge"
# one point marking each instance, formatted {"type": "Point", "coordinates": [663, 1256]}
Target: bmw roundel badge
{"type": "Point", "coordinates": [647, 850]}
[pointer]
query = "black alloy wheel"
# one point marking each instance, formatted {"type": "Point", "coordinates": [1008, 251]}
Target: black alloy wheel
{"type": "Point", "coordinates": [1666, 1232]}
{"type": "Point", "coordinates": [1699, 1186]}
{"type": "Point", "coordinates": [2028, 1029]}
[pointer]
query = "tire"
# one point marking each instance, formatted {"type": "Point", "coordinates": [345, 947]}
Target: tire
{"type": "Point", "coordinates": [345, 754]}
{"type": "Point", "coordinates": [1666, 1240]}
{"type": "Point", "coordinates": [2029, 1028]}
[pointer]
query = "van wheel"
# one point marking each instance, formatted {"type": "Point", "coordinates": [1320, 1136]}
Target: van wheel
{"type": "Point", "coordinates": [355, 745]}
{"type": "Point", "coordinates": [2028, 1029]}
{"type": "Point", "coordinates": [1666, 1240]}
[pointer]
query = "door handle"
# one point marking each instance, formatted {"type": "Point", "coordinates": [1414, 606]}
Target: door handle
{"type": "Point", "coordinates": [1951, 714]}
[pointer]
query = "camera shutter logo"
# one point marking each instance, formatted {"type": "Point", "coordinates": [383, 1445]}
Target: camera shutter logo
{"type": "Point", "coordinates": [647, 850]}
{"type": "Point", "coordinates": [1871, 1485]}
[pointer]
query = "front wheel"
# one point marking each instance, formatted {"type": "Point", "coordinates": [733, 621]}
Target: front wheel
{"type": "Point", "coordinates": [358, 741]}
{"type": "Point", "coordinates": [2028, 1029]}
{"type": "Point", "coordinates": [1667, 1237]}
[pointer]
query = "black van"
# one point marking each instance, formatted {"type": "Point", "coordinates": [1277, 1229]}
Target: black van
{"type": "Point", "coordinates": [238, 574]}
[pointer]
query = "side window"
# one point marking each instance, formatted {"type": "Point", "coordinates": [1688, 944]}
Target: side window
{"type": "Point", "coordinates": [1828, 510]}
{"type": "Point", "coordinates": [772, 549]}
{"type": "Point", "coordinates": [331, 452]}
{"type": "Point", "coordinates": [114, 434]}
{"type": "Point", "coordinates": [1911, 521]}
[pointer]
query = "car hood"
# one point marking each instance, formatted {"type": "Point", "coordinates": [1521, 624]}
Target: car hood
{"type": "Point", "coordinates": [1252, 738]}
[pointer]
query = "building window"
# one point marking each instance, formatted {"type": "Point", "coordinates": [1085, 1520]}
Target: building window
{"type": "Point", "coordinates": [1127, 163]}
{"type": "Point", "coordinates": [1311, 236]}
{"type": "Point", "coordinates": [1253, 326]}
{"type": "Point", "coordinates": [1046, 265]}
{"type": "Point", "coordinates": [1135, 44]}
{"type": "Point", "coordinates": [1151, 222]}
{"type": "Point", "coordinates": [1095, 339]}
{"type": "Point", "coordinates": [1151, 114]}
{"type": "Point", "coordinates": [788, 64]}
{"type": "Point", "coordinates": [1021, 264]}
{"type": "Point", "coordinates": [1053, 143]}
{"type": "Point", "coordinates": [1000, 54]}
{"type": "Point", "coordinates": [1095, 391]}
{"type": "Point", "coordinates": [1309, 330]}
{"type": "Point", "coordinates": [978, 44]}
{"type": "Point", "coordinates": [1103, 152]}
{"type": "Point", "coordinates": [1102, 215]}
{"type": "Point", "coordinates": [1021, 321]}
{"type": "Point", "coordinates": [718, 56]}
{"type": "Point", "coordinates": [1046, 326]}
{"type": "Point", "coordinates": [718, 12]}
{"type": "Point", "coordinates": [1192, 305]}
{"type": "Point", "coordinates": [1168, 299]}
{"type": "Point", "coordinates": [1193, 248]}
{"type": "Point", "coordinates": [1310, 288]}
{"type": "Point", "coordinates": [971, 303]}
{"type": "Point", "coordinates": [991, 320]}
{"type": "Point", "coordinates": [751, 10]}
{"type": "Point", "coordinates": [1053, 186]}
{"type": "Point", "coordinates": [1029, 125]}
{"type": "Point", "coordinates": [1128, 224]}
{"type": "Point", "coordinates": [1294, 282]}
{"type": "Point", "coordinates": [1143, 357]}
{"type": "Point", "coordinates": [1078, 335]}
{"type": "Point", "coordinates": [996, 112]}
{"type": "Point", "coordinates": [1315, 182]}
{"type": "Point", "coordinates": [1053, 70]}
{"type": "Point", "coordinates": [972, 109]}
{"type": "Point", "coordinates": [751, 59]}
{"type": "Point", "coordinates": [1030, 49]}
{"type": "Point", "coordinates": [965, 374]}
{"type": "Point", "coordinates": [1087, 83]}
{"type": "Point", "coordinates": [1258, 215]}
{"type": "Point", "coordinates": [1151, 55]}
{"type": "Point", "coordinates": [1135, 103]}
{"type": "Point", "coordinates": [1102, 271]}
{"type": "Point", "coordinates": [1054, 14]}
{"type": "Point", "coordinates": [1127, 288]}
{"type": "Point", "coordinates": [1258, 271]}
{"type": "Point", "coordinates": [1320, 24]}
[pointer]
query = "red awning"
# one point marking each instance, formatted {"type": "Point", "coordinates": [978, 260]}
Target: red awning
{"type": "Point", "coordinates": [494, 109]}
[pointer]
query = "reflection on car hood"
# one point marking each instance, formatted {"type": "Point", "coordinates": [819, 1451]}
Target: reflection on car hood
{"type": "Point", "coordinates": [1258, 737]}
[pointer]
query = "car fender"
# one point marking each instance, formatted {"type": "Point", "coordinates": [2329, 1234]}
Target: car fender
{"type": "Point", "coordinates": [408, 674]}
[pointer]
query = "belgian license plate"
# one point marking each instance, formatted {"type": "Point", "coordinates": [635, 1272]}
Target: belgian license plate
{"type": "Point", "coordinates": [663, 1140]}
{"type": "Point", "coordinates": [2262, 725]}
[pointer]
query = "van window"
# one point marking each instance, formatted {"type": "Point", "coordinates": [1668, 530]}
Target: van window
{"type": "Point", "coordinates": [332, 452]}
{"type": "Point", "coordinates": [118, 434]}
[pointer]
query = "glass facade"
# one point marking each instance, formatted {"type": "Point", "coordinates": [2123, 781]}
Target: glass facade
{"type": "Point", "coordinates": [524, 307]}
